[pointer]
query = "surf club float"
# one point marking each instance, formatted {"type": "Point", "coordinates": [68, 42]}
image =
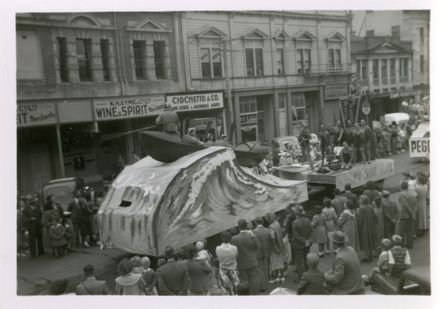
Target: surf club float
{"type": "Point", "coordinates": [153, 204]}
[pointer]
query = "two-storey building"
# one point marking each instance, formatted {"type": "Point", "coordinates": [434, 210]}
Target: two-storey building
{"type": "Point", "coordinates": [383, 67]}
{"type": "Point", "coordinates": [279, 70]}
{"type": "Point", "coordinates": [83, 79]}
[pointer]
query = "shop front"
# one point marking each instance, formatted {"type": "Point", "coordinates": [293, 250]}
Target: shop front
{"type": "Point", "coordinates": [37, 160]}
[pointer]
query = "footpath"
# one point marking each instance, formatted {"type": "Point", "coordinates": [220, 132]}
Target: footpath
{"type": "Point", "coordinates": [34, 276]}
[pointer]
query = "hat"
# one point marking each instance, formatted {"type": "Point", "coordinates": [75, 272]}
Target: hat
{"type": "Point", "coordinates": [224, 135]}
{"type": "Point", "coordinates": [386, 193]}
{"type": "Point", "coordinates": [298, 209]}
{"type": "Point", "coordinates": [397, 239]}
{"type": "Point", "coordinates": [338, 237]}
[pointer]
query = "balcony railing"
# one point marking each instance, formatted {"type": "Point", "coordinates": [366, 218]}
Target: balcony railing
{"type": "Point", "coordinates": [342, 68]}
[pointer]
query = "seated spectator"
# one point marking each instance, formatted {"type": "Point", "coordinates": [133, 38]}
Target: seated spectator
{"type": "Point", "coordinates": [91, 286]}
{"type": "Point", "coordinates": [347, 156]}
{"type": "Point", "coordinates": [149, 277]}
{"type": "Point", "coordinates": [312, 281]}
{"type": "Point", "coordinates": [399, 258]}
{"type": "Point", "coordinates": [382, 265]}
{"type": "Point", "coordinates": [128, 283]}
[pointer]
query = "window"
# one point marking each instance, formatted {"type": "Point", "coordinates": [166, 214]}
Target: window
{"type": "Point", "coordinates": [211, 62]}
{"type": "Point", "coordinates": [393, 71]}
{"type": "Point", "coordinates": [83, 53]}
{"type": "Point", "coordinates": [395, 31]}
{"type": "Point", "coordinates": [248, 110]}
{"type": "Point", "coordinates": [334, 59]}
{"type": "Point", "coordinates": [254, 61]}
{"type": "Point", "coordinates": [159, 59]}
{"type": "Point", "coordinates": [280, 61]}
{"type": "Point", "coordinates": [421, 34]}
{"type": "Point", "coordinates": [384, 71]}
{"type": "Point", "coordinates": [376, 72]}
{"type": "Point", "coordinates": [361, 69]}
{"type": "Point", "coordinates": [422, 63]}
{"type": "Point", "coordinates": [303, 61]}
{"type": "Point", "coordinates": [139, 59]}
{"type": "Point", "coordinates": [298, 107]}
{"type": "Point", "coordinates": [62, 59]}
{"type": "Point", "coordinates": [282, 101]}
{"type": "Point", "coordinates": [403, 70]}
{"type": "Point", "coordinates": [104, 44]}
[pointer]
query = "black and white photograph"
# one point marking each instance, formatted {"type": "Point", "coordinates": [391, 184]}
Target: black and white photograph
{"type": "Point", "coordinates": [222, 152]}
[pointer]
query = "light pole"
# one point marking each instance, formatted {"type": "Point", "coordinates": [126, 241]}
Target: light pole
{"type": "Point", "coordinates": [228, 93]}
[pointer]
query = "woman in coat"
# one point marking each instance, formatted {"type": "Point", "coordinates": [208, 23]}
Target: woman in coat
{"type": "Point", "coordinates": [128, 283]}
{"type": "Point", "coordinates": [380, 224]}
{"type": "Point", "coordinates": [366, 221]}
{"type": "Point", "coordinates": [276, 258]}
{"type": "Point", "coordinates": [347, 223]}
{"type": "Point", "coordinates": [319, 234]}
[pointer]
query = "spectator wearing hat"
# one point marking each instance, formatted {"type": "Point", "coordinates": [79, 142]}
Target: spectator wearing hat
{"type": "Point", "coordinates": [366, 222]}
{"type": "Point", "coordinates": [319, 234]}
{"type": "Point", "coordinates": [390, 214]}
{"type": "Point", "coordinates": [301, 241]}
{"type": "Point", "coordinates": [399, 258]}
{"type": "Point", "coordinates": [421, 189]}
{"type": "Point", "coordinates": [91, 286]}
{"type": "Point", "coordinates": [406, 214]}
{"type": "Point", "coordinates": [312, 282]}
{"type": "Point", "coordinates": [344, 278]}
{"type": "Point", "coordinates": [247, 264]}
{"type": "Point", "coordinates": [347, 223]}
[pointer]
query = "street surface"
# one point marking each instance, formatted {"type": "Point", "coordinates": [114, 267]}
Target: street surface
{"type": "Point", "coordinates": [34, 276]}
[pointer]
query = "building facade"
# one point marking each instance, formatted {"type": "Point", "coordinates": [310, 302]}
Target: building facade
{"type": "Point", "coordinates": [279, 70]}
{"type": "Point", "coordinates": [86, 79]}
{"type": "Point", "coordinates": [407, 25]}
{"type": "Point", "coordinates": [383, 67]}
{"type": "Point", "coordinates": [82, 80]}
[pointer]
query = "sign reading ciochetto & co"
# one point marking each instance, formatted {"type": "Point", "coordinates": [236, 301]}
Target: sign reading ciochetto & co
{"type": "Point", "coordinates": [36, 114]}
{"type": "Point", "coordinates": [195, 101]}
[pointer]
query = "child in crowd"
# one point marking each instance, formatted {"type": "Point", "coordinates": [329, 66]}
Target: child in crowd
{"type": "Point", "coordinates": [399, 258]}
{"type": "Point", "coordinates": [382, 265]}
{"type": "Point", "coordinates": [319, 232]}
{"type": "Point", "coordinates": [312, 281]}
{"type": "Point", "coordinates": [149, 276]}
{"type": "Point", "coordinates": [58, 234]}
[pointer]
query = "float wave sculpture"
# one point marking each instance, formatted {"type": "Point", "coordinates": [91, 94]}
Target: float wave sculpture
{"type": "Point", "coordinates": [151, 204]}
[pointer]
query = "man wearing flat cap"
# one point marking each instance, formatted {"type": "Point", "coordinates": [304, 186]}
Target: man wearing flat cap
{"type": "Point", "coordinates": [345, 277]}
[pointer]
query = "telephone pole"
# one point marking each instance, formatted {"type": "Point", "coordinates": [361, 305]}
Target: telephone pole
{"type": "Point", "coordinates": [230, 108]}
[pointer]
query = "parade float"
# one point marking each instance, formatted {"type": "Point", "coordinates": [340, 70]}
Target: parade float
{"type": "Point", "coordinates": [153, 204]}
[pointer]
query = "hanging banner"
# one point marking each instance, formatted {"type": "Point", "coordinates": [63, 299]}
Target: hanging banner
{"type": "Point", "coordinates": [36, 114]}
{"type": "Point", "coordinates": [195, 101]}
{"type": "Point", "coordinates": [129, 107]}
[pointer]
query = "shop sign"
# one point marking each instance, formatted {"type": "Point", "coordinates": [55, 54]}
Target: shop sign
{"type": "Point", "coordinates": [419, 147]}
{"type": "Point", "coordinates": [195, 101]}
{"type": "Point", "coordinates": [129, 107]}
{"type": "Point", "coordinates": [335, 91]}
{"type": "Point", "coordinates": [36, 114]}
